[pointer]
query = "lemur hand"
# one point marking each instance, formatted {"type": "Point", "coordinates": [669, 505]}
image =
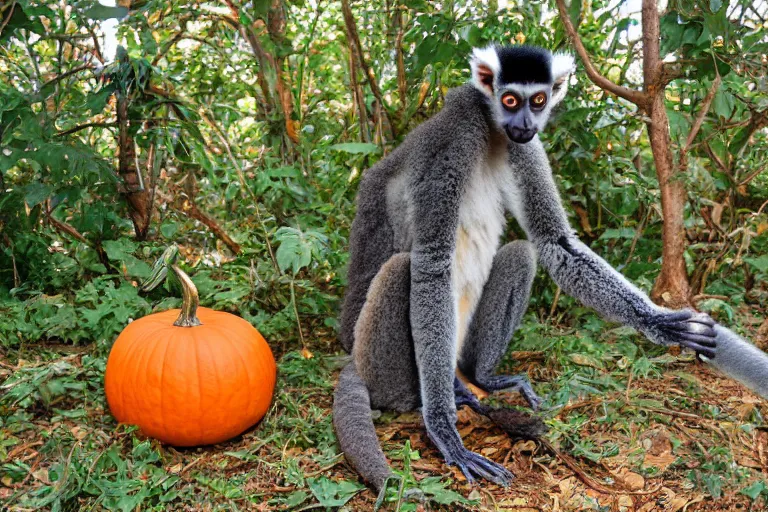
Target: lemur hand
{"type": "Point", "coordinates": [686, 328]}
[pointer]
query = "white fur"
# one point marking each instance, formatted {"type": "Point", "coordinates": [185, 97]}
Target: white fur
{"type": "Point", "coordinates": [481, 224]}
{"type": "Point", "coordinates": [562, 65]}
{"type": "Point", "coordinates": [484, 56]}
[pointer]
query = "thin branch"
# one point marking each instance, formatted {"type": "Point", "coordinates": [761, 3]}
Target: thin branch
{"type": "Point", "coordinates": [11, 7]}
{"type": "Point", "coordinates": [700, 117]}
{"type": "Point", "coordinates": [243, 183]}
{"type": "Point", "coordinates": [639, 98]}
{"type": "Point", "coordinates": [65, 75]}
{"type": "Point", "coordinates": [354, 43]}
{"type": "Point", "coordinates": [84, 126]}
{"type": "Point", "coordinates": [752, 176]}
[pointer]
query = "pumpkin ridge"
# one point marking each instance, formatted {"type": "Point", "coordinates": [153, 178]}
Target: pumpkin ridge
{"type": "Point", "coordinates": [195, 347]}
{"type": "Point", "coordinates": [162, 386]}
{"type": "Point", "coordinates": [153, 348]}
{"type": "Point", "coordinates": [127, 350]}
{"type": "Point", "coordinates": [137, 364]}
{"type": "Point", "coordinates": [244, 363]}
{"type": "Point", "coordinates": [214, 362]}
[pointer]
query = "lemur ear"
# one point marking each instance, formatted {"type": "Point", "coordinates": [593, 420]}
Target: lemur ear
{"type": "Point", "coordinates": [563, 66]}
{"type": "Point", "coordinates": [485, 67]}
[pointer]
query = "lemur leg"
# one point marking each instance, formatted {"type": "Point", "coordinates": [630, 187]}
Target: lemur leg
{"type": "Point", "coordinates": [383, 349]}
{"type": "Point", "coordinates": [385, 360]}
{"type": "Point", "coordinates": [501, 307]}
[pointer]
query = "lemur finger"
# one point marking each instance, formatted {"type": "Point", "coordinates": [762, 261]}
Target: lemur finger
{"type": "Point", "coordinates": [674, 316]}
{"type": "Point", "coordinates": [465, 471]}
{"type": "Point", "coordinates": [705, 341]}
{"type": "Point", "coordinates": [691, 327]}
{"type": "Point", "coordinates": [488, 469]}
{"type": "Point", "coordinates": [703, 318]}
{"type": "Point", "coordinates": [706, 352]}
{"type": "Point", "coordinates": [700, 349]}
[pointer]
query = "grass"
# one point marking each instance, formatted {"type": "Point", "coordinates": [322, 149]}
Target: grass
{"type": "Point", "coordinates": [632, 427]}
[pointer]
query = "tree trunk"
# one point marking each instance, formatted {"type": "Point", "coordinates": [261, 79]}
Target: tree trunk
{"type": "Point", "coordinates": [672, 287]}
{"type": "Point", "coordinates": [138, 197]}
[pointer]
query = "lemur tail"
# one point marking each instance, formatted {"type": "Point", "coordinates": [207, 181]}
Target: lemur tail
{"type": "Point", "coordinates": [741, 360]}
{"type": "Point", "coordinates": [353, 422]}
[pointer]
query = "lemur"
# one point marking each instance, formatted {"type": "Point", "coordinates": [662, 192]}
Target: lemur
{"type": "Point", "coordinates": [430, 290]}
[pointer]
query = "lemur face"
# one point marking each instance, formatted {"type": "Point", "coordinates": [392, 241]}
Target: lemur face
{"type": "Point", "coordinates": [522, 84]}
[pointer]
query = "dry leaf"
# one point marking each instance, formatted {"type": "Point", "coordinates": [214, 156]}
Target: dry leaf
{"type": "Point", "coordinates": [626, 503]}
{"type": "Point", "coordinates": [306, 354]}
{"type": "Point", "coordinates": [489, 451]}
{"type": "Point", "coordinates": [632, 481]}
{"type": "Point", "coordinates": [582, 360]}
{"type": "Point", "coordinates": [41, 475]}
{"type": "Point", "coordinates": [676, 504]}
{"type": "Point", "coordinates": [464, 432]}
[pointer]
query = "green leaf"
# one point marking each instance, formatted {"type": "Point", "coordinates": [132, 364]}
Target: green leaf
{"type": "Point", "coordinates": [754, 490]}
{"type": "Point", "coordinates": [715, 5]}
{"type": "Point", "coordinates": [104, 12]}
{"type": "Point", "coordinates": [36, 193]}
{"type": "Point", "coordinates": [724, 103]}
{"type": "Point", "coordinates": [574, 12]}
{"type": "Point", "coordinates": [364, 148]}
{"type": "Point", "coordinates": [333, 494]}
{"type": "Point", "coordinates": [297, 247]}
{"type": "Point", "coordinates": [169, 229]}
{"type": "Point", "coordinates": [760, 263]}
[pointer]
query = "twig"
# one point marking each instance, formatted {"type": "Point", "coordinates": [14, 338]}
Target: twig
{"type": "Point", "coordinates": [84, 126]}
{"type": "Point", "coordinates": [66, 74]}
{"type": "Point", "coordinates": [637, 97]}
{"type": "Point", "coordinates": [587, 480]}
{"type": "Point", "coordinates": [8, 18]}
{"type": "Point", "coordinates": [222, 136]}
{"type": "Point", "coordinates": [354, 43]}
{"type": "Point", "coordinates": [700, 117]}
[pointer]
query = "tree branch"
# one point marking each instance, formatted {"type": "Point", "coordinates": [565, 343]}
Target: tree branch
{"type": "Point", "coordinates": [354, 44]}
{"type": "Point", "coordinates": [84, 126]}
{"type": "Point", "coordinates": [700, 117]}
{"type": "Point", "coordinates": [637, 97]}
{"type": "Point", "coordinates": [65, 75]}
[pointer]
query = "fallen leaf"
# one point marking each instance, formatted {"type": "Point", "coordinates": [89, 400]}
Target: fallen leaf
{"type": "Point", "coordinates": [632, 481]}
{"type": "Point", "coordinates": [583, 360]}
{"type": "Point", "coordinates": [489, 451]}
{"type": "Point", "coordinates": [626, 503]}
{"type": "Point", "coordinates": [306, 353]}
{"type": "Point", "coordinates": [41, 475]}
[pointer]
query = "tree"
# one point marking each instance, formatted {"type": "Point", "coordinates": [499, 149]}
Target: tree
{"type": "Point", "coordinates": [672, 286]}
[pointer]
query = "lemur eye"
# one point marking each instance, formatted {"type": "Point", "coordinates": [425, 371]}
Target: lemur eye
{"type": "Point", "coordinates": [510, 101]}
{"type": "Point", "coordinates": [539, 99]}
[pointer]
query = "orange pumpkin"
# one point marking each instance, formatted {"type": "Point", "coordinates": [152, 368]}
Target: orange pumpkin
{"type": "Point", "coordinates": [201, 380]}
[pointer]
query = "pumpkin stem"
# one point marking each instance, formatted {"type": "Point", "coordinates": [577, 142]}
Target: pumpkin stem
{"type": "Point", "coordinates": [189, 302]}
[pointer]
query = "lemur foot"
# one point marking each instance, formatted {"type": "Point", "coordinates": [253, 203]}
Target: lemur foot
{"type": "Point", "coordinates": [519, 383]}
{"type": "Point", "coordinates": [686, 328]}
{"type": "Point", "coordinates": [465, 397]}
{"type": "Point", "coordinates": [517, 424]}
{"type": "Point", "coordinates": [469, 463]}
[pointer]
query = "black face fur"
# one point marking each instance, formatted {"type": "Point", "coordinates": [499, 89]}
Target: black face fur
{"type": "Point", "coordinates": [524, 64]}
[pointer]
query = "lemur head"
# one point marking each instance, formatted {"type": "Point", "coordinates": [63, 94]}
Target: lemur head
{"type": "Point", "coordinates": [523, 84]}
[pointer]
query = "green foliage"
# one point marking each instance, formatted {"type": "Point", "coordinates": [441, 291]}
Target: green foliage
{"type": "Point", "coordinates": [205, 102]}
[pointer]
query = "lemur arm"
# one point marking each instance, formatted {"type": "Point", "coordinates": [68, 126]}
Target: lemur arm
{"type": "Point", "coordinates": [437, 182]}
{"type": "Point", "coordinates": [586, 276]}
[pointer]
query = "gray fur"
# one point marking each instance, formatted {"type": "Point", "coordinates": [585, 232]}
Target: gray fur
{"type": "Point", "coordinates": [350, 414]}
{"type": "Point", "coordinates": [425, 264]}
{"type": "Point", "coordinates": [740, 360]}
